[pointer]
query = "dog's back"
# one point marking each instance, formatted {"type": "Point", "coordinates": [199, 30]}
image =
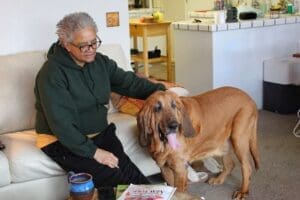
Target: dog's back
{"type": "Point", "coordinates": [219, 114]}
{"type": "Point", "coordinates": [222, 100]}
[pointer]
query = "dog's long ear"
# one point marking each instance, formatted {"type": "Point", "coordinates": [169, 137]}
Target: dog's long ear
{"type": "Point", "coordinates": [187, 126]}
{"type": "Point", "coordinates": [143, 140]}
{"type": "Point", "coordinates": [186, 123]}
{"type": "Point", "coordinates": [143, 118]}
{"type": "Point", "coordinates": [142, 135]}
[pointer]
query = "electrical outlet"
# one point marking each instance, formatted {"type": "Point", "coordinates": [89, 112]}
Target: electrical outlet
{"type": "Point", "coordinates": [112, 19]}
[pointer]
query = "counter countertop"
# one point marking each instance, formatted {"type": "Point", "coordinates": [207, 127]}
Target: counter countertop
{"type": "Point", "coordinates": [243, 24]}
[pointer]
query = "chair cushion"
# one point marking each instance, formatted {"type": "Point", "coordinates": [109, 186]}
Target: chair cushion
{"type": "Point", "coordinates": [4, 170]}
{"type": "Point", "coordinates": [126, 130]}
{"type": "Point", "coordinates": [128, 134]}
{"type": "Point", "coordinates": [26, 161]}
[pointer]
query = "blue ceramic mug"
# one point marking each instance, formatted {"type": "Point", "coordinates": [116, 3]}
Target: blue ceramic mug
{"type": "Point", "coordinates": [81, 182]}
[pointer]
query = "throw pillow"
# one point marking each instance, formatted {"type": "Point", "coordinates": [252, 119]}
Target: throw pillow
{"type": "Point", "coordinates": [132, 106]}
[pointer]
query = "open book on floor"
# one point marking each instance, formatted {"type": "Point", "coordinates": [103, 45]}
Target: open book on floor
{"type": "Point", "coordinates": [147, 192]}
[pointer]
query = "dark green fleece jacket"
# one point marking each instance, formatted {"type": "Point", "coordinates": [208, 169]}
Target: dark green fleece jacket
{"type": "Point", "coordinates": [71, 101]}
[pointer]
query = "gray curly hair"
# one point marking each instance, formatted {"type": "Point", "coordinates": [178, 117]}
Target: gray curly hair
{"type": "Point", "coordinates": [73, 22]}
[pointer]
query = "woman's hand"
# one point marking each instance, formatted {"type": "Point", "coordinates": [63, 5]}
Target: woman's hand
{"type": "Point", "coordinates": [106, 158]}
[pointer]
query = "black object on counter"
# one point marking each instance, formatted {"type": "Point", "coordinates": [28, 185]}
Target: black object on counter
{"type": "Point", "coordinates": [231, 14]}
{"type": "Point", "coordinates": [248, 15]}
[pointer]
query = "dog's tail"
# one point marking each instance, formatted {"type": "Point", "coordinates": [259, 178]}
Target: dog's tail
{"type": "Point", "coordinates": [253, 146]}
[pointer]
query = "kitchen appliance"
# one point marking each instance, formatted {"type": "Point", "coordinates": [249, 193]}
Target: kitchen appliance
{"type": "Point", "coordinates": [246, 12]}
{"type": "Point", "coordinates": [231, 15]}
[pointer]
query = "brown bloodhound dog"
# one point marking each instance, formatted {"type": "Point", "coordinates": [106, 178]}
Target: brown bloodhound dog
{"type": "Point", "coordinates": [180, 130]}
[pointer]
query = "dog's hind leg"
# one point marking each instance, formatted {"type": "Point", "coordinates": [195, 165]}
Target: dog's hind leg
{"type": "Point", "coordinates": [253, 145]}
{"type": "Point", "coordinates": [241, 137]}
{"type": "Point", "coordinates": [228, 166]}
{"type": "Point", "coordinates": [246, 173]}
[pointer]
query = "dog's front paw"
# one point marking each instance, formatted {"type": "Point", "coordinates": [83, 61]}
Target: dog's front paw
{"type": "Point", "coordinates": [238, 195]}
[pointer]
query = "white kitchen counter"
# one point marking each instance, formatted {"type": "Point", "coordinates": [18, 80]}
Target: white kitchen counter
{"type": "Point", "coordinates": [243, 24]}
{"type": "Point", "coordinates": [208, 55]}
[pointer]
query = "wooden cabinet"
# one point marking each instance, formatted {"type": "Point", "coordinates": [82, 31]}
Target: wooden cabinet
{"type": "Point", "coordinates": [146, 30]}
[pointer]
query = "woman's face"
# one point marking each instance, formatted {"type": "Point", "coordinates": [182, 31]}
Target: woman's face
{"type": "Point", "coordinates": [83, 47]}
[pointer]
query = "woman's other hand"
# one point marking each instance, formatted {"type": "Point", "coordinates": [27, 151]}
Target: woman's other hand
{"type": "Point", "coordinates": [106, 158]}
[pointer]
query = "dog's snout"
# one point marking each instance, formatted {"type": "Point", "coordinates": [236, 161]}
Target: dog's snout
{"type": "Point", "coordinates": [173, 125]}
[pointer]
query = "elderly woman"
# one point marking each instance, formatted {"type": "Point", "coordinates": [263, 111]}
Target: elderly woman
{"type": "Point", "coordinates": [72, 93]}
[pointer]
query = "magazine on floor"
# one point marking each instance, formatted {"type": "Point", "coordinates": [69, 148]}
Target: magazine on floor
{"type": "Point", "coordinates": [148, 192]}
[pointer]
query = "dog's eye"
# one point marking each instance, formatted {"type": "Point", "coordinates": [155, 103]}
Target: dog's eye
{"type": "Point", "coordinates": [173, 104]}
{"type": "Point", "coordinates": [157, 107]}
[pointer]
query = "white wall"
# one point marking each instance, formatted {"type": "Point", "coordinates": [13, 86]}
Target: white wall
{"type": "Point", "coordinates": [231, 57]}
{"type": "Point", "coordinates": [178, 9]}
{"type": "Point", "coordinates": [31, 24]}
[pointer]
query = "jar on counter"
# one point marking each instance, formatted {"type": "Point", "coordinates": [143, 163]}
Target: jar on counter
{"type": "Point", "coordinates": [290, 8]}
{"type": "Point", "coordinates": [219, 4]}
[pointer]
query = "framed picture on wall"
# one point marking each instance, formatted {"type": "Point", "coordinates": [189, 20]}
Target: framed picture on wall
{"type": "Point", "coordinates": [112, 19]}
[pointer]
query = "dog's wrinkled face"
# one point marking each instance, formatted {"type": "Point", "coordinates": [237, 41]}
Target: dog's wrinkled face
{"type": "Point", "coordinates": [162, 117]}
{"type": "Point", "coordinates": [166, 110]}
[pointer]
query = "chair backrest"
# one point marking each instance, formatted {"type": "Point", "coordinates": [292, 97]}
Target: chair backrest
{"type": "Point", "coordinates": [17, 75]}
{"type": "Point", "coordinates": [115, 52]}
